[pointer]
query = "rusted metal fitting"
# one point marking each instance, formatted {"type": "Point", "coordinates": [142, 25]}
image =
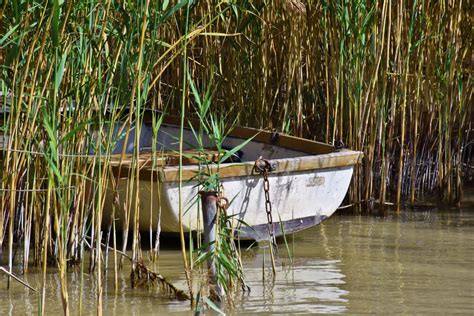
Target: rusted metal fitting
{"type": "Point", "coordinates": [222, 202]}
{"type": "Point", "coordinates": [262, 165]}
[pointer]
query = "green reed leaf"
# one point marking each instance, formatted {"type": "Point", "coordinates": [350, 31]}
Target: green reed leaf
{"type": "Point", "coordinates": [7, 34]}
{"type": "Point", "coordinates": [233, 152]}
{"type": "Point", "coordinates": [55, 22]}
{"type": "Point", "coordinates": [213, 306]}
{"type": "Point", "coordinates": [58, 77]}
{"type": "Point", "coordinates": [174, 9]}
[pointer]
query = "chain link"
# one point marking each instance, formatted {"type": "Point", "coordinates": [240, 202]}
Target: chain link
{"type": "Point", "coordinates": [263, 167]}
{"type": "Point", "coordinates": [222, 201]}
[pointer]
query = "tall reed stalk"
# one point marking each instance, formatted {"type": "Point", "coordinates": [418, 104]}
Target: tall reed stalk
{"type": "Point", "coordinates": [75, 79]}
{"type": "Point", "coordinates": [390, 78]}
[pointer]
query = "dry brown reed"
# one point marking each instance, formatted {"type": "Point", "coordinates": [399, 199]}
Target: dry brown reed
{"type": "Point", "coordinates": [390, 78]}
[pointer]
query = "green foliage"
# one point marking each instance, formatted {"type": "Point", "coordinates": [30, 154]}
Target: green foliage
{"type": "Point", "coordinates": [391, 79]}
{"type": "Point", "coordinates": [229, 270]}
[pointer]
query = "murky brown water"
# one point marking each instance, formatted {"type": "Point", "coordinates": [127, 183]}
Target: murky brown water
{"type": "Point", "coordinates": [420, 262]}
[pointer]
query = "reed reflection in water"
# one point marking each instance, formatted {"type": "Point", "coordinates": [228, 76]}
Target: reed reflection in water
{"type": "Point", "coordinates": [312, 285]}
{"type": "Point", "coordinates": [419, 262]}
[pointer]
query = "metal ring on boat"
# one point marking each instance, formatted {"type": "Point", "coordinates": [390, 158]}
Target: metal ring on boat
{"type": "Point", "coordinates": [222, 202]}
{"type": "Point", "coordinates": [262, 165]}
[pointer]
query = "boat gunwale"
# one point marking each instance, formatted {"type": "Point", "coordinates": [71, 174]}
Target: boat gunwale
{"type": "Point", "coordinates": [240, 169]}
{"type": "Point", "coordinates": [283, 165]}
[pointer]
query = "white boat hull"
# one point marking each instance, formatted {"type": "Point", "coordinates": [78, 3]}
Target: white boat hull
{"type": "Point", "coordinates": [299, 199]}
{"type": "Point", "coordinates": [307, 184]}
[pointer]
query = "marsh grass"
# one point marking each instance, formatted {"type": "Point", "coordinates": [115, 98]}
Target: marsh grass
{"type": "Point", "coordinates": [71, 73]}
{"type": "Point", "coordinates": [390, 78]}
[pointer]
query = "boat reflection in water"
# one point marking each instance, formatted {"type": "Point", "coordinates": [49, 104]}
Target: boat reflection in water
{"type": "Point", "coordinates": [308, 286]}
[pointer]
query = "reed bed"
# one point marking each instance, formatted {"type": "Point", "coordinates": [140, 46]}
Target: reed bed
{"type": "Point", "coordinates": [390, 78]}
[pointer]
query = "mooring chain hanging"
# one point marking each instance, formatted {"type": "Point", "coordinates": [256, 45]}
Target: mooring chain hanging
{"type": "Point", "coordinates": [263, 167]}
{"type": "Point", "coordinates": [222, 201]}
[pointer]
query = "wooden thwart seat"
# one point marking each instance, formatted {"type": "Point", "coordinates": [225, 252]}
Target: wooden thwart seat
{"type": "Point", "coordinates": [165, 158]}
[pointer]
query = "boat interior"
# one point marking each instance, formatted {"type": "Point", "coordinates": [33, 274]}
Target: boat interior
{"type": "Point", "coordinates": [247, 145]}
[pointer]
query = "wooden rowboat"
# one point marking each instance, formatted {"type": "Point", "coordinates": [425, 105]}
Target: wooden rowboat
{"type": "Point", "coordinates": [308, 180]}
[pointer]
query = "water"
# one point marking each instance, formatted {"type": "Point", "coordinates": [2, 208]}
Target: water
{"type": "Point", "coordinates": [420, 262]}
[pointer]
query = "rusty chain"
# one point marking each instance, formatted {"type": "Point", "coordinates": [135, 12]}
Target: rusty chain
{"type": "Point", "coordinates": [222, 201]}
{"type": "Point", "coordinates": [263, 167]}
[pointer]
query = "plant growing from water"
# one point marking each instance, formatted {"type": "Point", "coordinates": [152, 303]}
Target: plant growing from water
{"type": "Point", "coordinates": [222, 255]}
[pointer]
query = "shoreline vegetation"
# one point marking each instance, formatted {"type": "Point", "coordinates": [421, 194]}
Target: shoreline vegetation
{"type": "Point", "coordinates": [390, 78]}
